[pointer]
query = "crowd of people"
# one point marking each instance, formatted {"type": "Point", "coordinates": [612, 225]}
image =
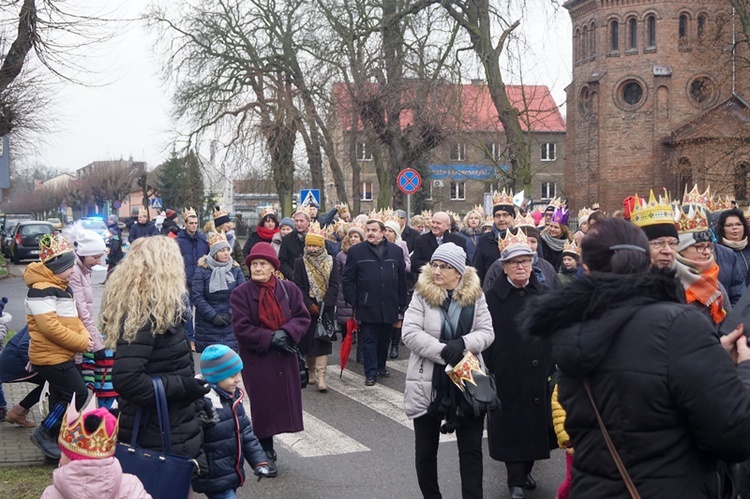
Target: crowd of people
{"type": "Point", "coordinates": [618, 316]}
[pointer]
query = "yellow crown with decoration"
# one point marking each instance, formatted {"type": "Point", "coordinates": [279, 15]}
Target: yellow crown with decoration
{"type": "Point", "coordinates": [502, 198]}
{"type": "Point", "coordinates": [654, 211]}
{"type": "Point", "coordinates": [479, 209]}
{"type": "Point", "coordinates": [51, 245]}
{"type": "Point", "coordinates": [388, 215]}
{"type": "Point", "coordinates": [524, 221]}
{"type": "Point", "coordinates": [510, 240]}
{"type": "Point", "coordinates": [342, 208]}
{"type": "Point", "coordinates": [426, 214]}
{"type": "Point", "coordinates": [266, 210]}
{"type": "Point", "coordinates": [571, 248]}
{"type": "Point", "coordinates": [316, 235]}
{"type": "Point", "coordinates": [556, 203]}
{"type": "Point", "coordinates": [719, 203]}
{"type": "Point", "coordinates": [697, 198]}
{"type": "Point", "coordinates": [694, 220]}
{"type": "Point", "coordinates": [219, 212]}
{"type": "Point", "coordinates": [75, 439]}
{"type": "Point", "coordinates": [584, 214]}
{"type": "Point", "coordinates": [216, 238]}
{"type": "Point", "coordinates": [188, 212]}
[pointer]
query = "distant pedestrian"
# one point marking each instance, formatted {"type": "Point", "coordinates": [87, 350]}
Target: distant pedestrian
{"type": "Point", "coordinates": [143, 227]}
{"type": "Point", "coordinates": [267, 231]}
{"type": "Point", "coordinates": [193, 246]}
{"type": "Point", "coordinates": [114, 243]}
{"type": "Point", "coordinates": [169, 226]}
{"type": "Point", "coordinates": [223, 223]}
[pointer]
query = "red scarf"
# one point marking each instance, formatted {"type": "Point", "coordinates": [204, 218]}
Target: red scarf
{"type": "Point", "coordinates": [269, 308]}
{"type": "Point", "coordinates": [267, 234]}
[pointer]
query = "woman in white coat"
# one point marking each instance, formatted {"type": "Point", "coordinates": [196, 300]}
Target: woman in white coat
{"type": "Point", "coordinates": [447, 316]}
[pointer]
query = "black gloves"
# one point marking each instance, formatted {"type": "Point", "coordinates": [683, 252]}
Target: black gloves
{"type": "Point", "coordinates": [453, 351]}
{"type": "Point", "coordinates": [282, 342]}
{"type": "Point", "coordinates": [222, 319]}
{"type": "Point", "coordinates": [196, 388]}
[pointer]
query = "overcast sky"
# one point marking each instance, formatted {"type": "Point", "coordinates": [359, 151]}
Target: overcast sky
{"type": "Point", "coordinates": [130, 117]}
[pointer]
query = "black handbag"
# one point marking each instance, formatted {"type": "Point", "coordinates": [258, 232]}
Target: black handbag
{"type": "Point", "coordinates": [325, 329]}
{"type": "Point", "coordinates": [482, 397]}
{"type": "Point", "coordinates": [163, 475]}
{"type": "Point", "coordinates": [304, 371]}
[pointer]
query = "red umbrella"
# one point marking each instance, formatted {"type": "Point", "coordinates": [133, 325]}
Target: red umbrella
{"type": "Point", "coordinates": [346, 345]}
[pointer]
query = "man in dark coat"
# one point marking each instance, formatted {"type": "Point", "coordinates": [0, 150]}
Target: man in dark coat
{"type": "Point", "coordinates": [487, 251]}
{"type": "Point", "coordinates": [426, 244]}
{"type": "Point", "coordinates": [374, 284]}
{"type": "Point", "coordinates": [293, 245]}
{"type": "Point", "coordinates": [169, 226]}
{"type": "Point", "coordinates": [193, 245]}
{"type": "Point", "coordinates": [142, 228]}
{"type": "Point", "coordinates": [522, 432]}
{"type": "Point", "coordinates": [407, 233]}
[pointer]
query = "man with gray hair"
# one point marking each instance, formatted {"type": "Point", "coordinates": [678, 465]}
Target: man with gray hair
{"type": "Point", "coordinates": [426, 244]}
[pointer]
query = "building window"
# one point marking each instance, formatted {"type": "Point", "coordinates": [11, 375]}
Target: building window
{"type": "Point", "coordinates": [363, 152]}
{"type": "Point", "coordinates": [427, 190]}
{"type": "Point", "coordinates": [651, 31]}
{"type": "Point", "coordinates": [585, 44]}
{"type": "Point", "coordinates": [592, 41]}
{"type": "Point", "coordinates": [576, 46]}
{"type": "Point", "coordinates": [632, 93]}
{"type": "Point", "coordinates": [741, 181]}
{"type": "Point", "coordinates": [614, 36]}
{"type": "Point", "coordinates": [458, 152]}
{"type": "Point", "coordinates": [365, 193]}
{"type": "Point", "coordinates": [458, 191]}
{"type": "Point", "coordinates": [496, 150]}
{"type": "Point", "coordinates": [549, 151]}
{"type": "Point", "coordinates": [632, 34]}
{"type": "Point", "coordinates": [683, 29]}
{"type": "Point", "coordinates": [549, 190]}
{"type": "Point", "coordinates": [701, 26]}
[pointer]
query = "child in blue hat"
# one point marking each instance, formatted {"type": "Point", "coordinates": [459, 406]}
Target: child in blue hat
{"type": "Point", "coordinates": [226, 427]}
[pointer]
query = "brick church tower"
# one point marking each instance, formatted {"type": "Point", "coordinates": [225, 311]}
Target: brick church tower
{"type": "Point", "coordinates": [656, 101]}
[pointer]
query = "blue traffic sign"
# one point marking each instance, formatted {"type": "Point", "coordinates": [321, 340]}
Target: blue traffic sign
{"type": "Point", "coordinates": [155, 202]}
{"type": "Point", "coordinates": [309, 196]}
{"type": "Point", "coordinates": [409, 181]}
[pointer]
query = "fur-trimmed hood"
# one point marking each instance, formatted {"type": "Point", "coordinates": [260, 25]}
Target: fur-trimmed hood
{"type": "Point", "coordinates": [467, 292]}
{"type": "Point", "coordinates": [203, 263]}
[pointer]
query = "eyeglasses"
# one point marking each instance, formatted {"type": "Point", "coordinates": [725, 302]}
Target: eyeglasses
{"type": "Point", "coordinates": [442, 266]}
{"type": "Point", "coordinates": [704, 247]}
{"type": "Point", "coordinates": [732, 226]}
{"type": "Point", "coordinates": [661, 243]}
{"type": "Point", "coordinates": [514, 264]}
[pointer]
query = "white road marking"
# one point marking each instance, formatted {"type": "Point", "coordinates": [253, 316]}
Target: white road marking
{"type": "Point", "coordinates": [400, 365]}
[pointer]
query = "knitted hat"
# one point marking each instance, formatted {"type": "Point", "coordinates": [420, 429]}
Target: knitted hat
{"type": "Point", "coordinates": [219, 362]}
{"type": "Point", "coordinates": [263, 251]}
{"type": "Point", "coordinates": [88, 243]}
{"type": "Point", "coordinates": [394, 226]}
{"type": "Point", "coordinates": [400, 213]}
{"type": "Point", "coordinates": [216, 242]}
{"type": "Point", "coordinates": [113, 219]}
{"type": "Point", "coordinates": [530, 231]}
{"type": "Point", "coordinates": [358, 230]}
{"type": "Point", "coordinates": [56, 253]}
{"type": "Point", "coordinates": [171, 214]}
{"type": "Point", "coordinates": [316, 235]}
{"type": "Point", "coordinates": [91, 434]}
{"type": "Point", "coordinates": [220, 216]}
{"type": "Point", "coordinates": [451, 254]}
{"type": "Point", "coordinates": [287, 221]}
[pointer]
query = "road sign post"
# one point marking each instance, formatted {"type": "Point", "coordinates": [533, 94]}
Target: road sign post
{"type": "Point", "coordinates": [308, 196]}
{"type": "Point", "coordinates": [409, 181]}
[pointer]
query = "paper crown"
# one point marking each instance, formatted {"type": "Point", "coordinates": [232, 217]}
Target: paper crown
{"type": "Point", "coordinates": [696, 198]}
{"type": "Point", "coordinates": [317, 230]}
{"type": "Point", "coordinates": [266, 210]}
{"type": "Point", "coordinates": [719, 203]}
{"type": "Point", "coordinates": [479, 209]}
{"type": "Point", "coordinates": [219, 212]}
{"type": "Point", "coordinates": [524, 221]}
{"type": "Point", "coordinates": [555, 203]}
{"type": "Point", "coordinates": [357, 225]}
{"type": "Point", "coordinates": [426, 214]}
{"type": "Point", "coordinates": [307, 210]}
{"type": "Point", "coordinates": [571, 247]}
{"type": "Point", "coordinates": [488, 221]}
{"type": "Point", "coordinates": [561, 215]}
{"type": "Point", "coordinates": [502, 198]}
{"type": "Point", "coordinates": [216, 237]}
{"type": "Point", "coordinates": [510, 240]}
{"type": "Point", "coordinates": [454, 217]}
{"type": "Point", "coordinates": [188, 212]}
{"type": "Point", "coordinates": [75, 439]}
{"type": "Point", "coordinates": [584, 214]}
{"type": "Point", "coordinates": [343, 208]}
{"type": "Point", "coordinates": [694, 220]}
{"type": "Point", "coordinates": [51, 245]}
{"type": "Point", "coordinates": [652, 212]}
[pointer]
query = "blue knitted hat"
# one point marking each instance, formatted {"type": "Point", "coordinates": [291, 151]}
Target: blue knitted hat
{"type": "Point", "coordinates": [219, 362]}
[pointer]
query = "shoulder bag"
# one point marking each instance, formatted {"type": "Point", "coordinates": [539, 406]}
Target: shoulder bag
{"type": "Point", "coordinates": [325, 329]}
{"type": "Point", "coordinates": [304, 371]}
{"type": "Point", "coordinates": [163, 475]}
{"type": "Point", "coordinates": [611, 446]}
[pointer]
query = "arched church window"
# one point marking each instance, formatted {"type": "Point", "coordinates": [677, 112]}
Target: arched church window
{"type": "Point", "coordinates": [651, 31]}
{"type": "Point", "coordinates": [741, 181]}
{"type": "Point", "coordinates": [702, 25]}
{"type": "Point", "coordinates": [614, 36]}
{"type": "Point", "coordinates": [632, 34]}
{"type": "Point", "coordinates": [585, 43]}
{"type": "Point", "coordinates": [683, 28]}
{"type": "Point", "coordinates": [592, 40]}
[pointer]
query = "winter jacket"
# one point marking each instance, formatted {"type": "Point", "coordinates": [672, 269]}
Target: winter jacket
{"type": "Point", "coordinates": [292, 247]}
{"type": "Point", "coordinates": [308, 345]}
{"type": "Point", "coordinates": [670, 396]}
{"type": "Point", "coordinates": [207, 305]}
{"type": "Point", "coordinates": [142, 230]}
{"type": "Point", "coordinates": [730, 272]}
{"type": "Point", "coordinates": [421, 334]}
{"type": "Point", "coordinates": [114, 243]}
{"type": "Point", "coordinates": [487, 253]}
{"type": "Point", "coordinates": [743, 258]}
{"type": "Point", "coordinates": [94, 479]}
{"type": "Point", "coordinates": [15, 357]}
{"type": "Point", "coordinates": [56, 332]}
{"type": "Point", "coordinates": [343, 309]}
{"type": "Point", "coordinates": [255, 238]}
{"type": "Point", "coordinates": [471, 242]}
{"type": "Point", "coordinates": [375, 285]}
{"type": "Point", "coordinates": [552, 256]}
{"type": "Point", "coordinates": [409, 235]}
{"type": "Point", "coordinates": [192, 249]}
{"type": "Point", "coordinates": [167, 355]}
{"type": "Point", "coordinates": [169, 228]}
{"type": "Point", "coordinates": [271, 376]}
{"type": "Point", "coordinates": [426, 244]}
{"type": "Point", "coordinates": [80, 284]}
{"type": "Point", "coordinates": [227, 437]}
{"type": "Point", "coordinates": [543, 271]}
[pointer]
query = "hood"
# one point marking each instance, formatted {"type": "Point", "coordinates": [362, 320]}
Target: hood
{"type": "Point", "coordinates": [581, 320]}
{"type": "Point", "coordinates": [465, 294]}
{"type": "Point", "coordinates": [89, 479]}
{"type": "Point", "coordinates": [37, 273]}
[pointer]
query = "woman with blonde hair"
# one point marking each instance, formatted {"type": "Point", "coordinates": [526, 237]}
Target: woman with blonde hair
{"type": "Point", "coordinates": [143, 316]}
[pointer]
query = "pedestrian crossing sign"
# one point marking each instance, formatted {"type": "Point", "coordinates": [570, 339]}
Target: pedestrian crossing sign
{"type": "Point", "coordinates": [309, 197]}
{"type": "Point", "coordinates": [155, 202]}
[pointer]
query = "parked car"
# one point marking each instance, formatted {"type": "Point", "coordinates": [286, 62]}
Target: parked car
{"type": "Point", "coordinates": [25, 243]}
{"type": "Point", "coordinates": [6, 238]}
{"type": "Point", "coordinates": [96, 224]}
{"type": "Point", "coordinates": [56, 223]}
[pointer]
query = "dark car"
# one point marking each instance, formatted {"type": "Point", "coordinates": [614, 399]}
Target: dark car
{"type": "Point", "coordinates": [25, 240]}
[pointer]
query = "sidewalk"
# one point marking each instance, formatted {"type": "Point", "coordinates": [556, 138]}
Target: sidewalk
{"type": "Point", "coordinates": [16, 448]}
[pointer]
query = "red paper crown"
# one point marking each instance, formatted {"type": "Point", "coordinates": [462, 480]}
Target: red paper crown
{"type": "Point", "coordinates": [74, 438]}
{"type": "Point", "coordinates": [499, 198]}
{"type": "Point", "coordinates": [696, 198]}
{"type": "Point", "coordinates": [695, 220]}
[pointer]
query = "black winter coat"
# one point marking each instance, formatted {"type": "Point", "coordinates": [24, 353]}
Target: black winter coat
{"type": "Point", "coordinates": [168, 356]}
{"type": "Point", "coordinates": [208, 305]}
{"type": "Point", "coordinates": [426, 244]}
{"type": "Point", "coordinates": [486, 253]}
{"type": "Point", "coordinates": [410, 236]}
{"type": "Point", "coordinates": [228, 436]}
{"type": "Point", "coordinates": [292, 247]}
{"type": "Point", "coordinates": [137, 230]}
{"type": "Point", "coordinates": [192, 248]}
{"type": "Point", "coordinates": [670, 396]}
{"type": "Point", "coordinates": [15, 357]}
{"type": "Point", "coordinates": [308, 345]}
{"type": "Point", "coordinates": [375, 285]}
{"type": "Point", "coordinates": [522, 431]}
{"type": "Point", "coordinates": [552, 256]}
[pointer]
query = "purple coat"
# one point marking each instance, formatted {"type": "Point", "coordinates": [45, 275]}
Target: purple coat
{"type": "Point", "coordinates": [270, 376]}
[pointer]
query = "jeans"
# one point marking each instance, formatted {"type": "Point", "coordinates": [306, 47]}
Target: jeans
{"type": "Point", "coordinates": [224, 494]}
{"type": "Point", "coordinates": [375, 338]}
{"type": "Point", "coordinates": [469, 439]}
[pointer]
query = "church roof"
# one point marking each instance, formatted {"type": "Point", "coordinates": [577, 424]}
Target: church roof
{"type": "Point", "coordinates": [468, 107]}
{"type": "Point", "coordinates": [729, 119]}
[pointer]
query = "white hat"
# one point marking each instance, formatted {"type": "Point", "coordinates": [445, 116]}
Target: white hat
{"type": "Point", "coordinates": [85, 242]}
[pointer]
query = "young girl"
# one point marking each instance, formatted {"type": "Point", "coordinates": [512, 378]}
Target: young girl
{"type": "Point", "coordinates": [569, 266]}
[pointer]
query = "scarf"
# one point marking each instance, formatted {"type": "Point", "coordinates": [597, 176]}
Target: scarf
{"type": "Point", "coordinates": [735, 245]}
{"type": "Point", "coordinates": [221, 274]}
{"type": "Point", "coordinates": [553, 243]}
{"type": "Point", "coordinates": [474, 234]}
{"type": "Point", "coordinates": [267, 234]}
{"type": "Point", "coordinates": [269, 309]}
{"type": "Point", "coordinates": [701, 283]}
{"type": "Point", "coordinates": [318, 266]}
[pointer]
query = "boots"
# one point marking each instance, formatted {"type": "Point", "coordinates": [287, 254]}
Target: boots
{"type": "Point", "coordinates": [311, 365]}
{"type": "Point", "coordinates": [47, 443]}
{"type": "Point", "coordinates": [321, 364]}
{"type": "Point", "coordinates": [395, 340]}
{"type": "Point", "coordinates": [18, 415]}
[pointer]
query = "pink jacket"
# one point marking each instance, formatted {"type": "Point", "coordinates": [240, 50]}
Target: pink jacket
{"type": "Point", "coordinates": [94, 479]}
{"type": "Point", "coordinates": [80, 284]}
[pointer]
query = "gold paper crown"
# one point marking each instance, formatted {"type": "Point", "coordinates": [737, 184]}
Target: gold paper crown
{"type": "Point", "coordinates": [719, 203]}
{"type": "Point", "coordinates": [653, 212]}
{"type": "Point", "coordinates": [343, 208]}
{"type": "Point", "coordinates": [517, 239]}
{"type": "Point", "coordinates": [74, 438]}
{"type": "Point", "coordinates": [502, 198]}
{"type": "Point", "coordinates": [524, 221]}
{"type": "Point", "coordinates": [339, 226]}
{"type": "Point", "coordinates": [454, 217]}
{"type": "Point", "coordinates": [556, 203]}
{"type": "Point", "coordinates": [316, 230]}
{"type": "Point", "coordinates": [426, 214]}
{"type": "Point", "coordinates": [696, 198]}
{"type": "Point", "coordinates": [219, 212]}
{"type": "Point", "coordinates": [266, 210]}
{"type": "Point", "coordinates": [571, 247]}
{"type": "Point", "coordinates": [695, 220]}
{"type": "Point", "coordinates": [188, 212]}
{"type": "Point", "coordinates": [355, 225]}
{"type": "Point", "coordinates": [307, 209]}
{"type": "Point", "coordinates": [388, 215]}
{"type": "Point", "coordinates": [51, 245]}
{"type": "Point", "coordinates": [480, 209]}
{"type": "Point", "coordinates": [216, 237]}
{"type": "Point", "coordinates": [584, 213]}
{"type": "Point", "coordinates": [488, 221]}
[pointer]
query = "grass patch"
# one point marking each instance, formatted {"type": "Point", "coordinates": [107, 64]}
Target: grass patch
{"type": "Point", "coordinates": [25, 482]}
{"type": "Point", "coordinates": [3, 267]}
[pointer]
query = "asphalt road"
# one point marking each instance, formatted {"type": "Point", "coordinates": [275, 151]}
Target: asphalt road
{"type": "Point", "coordinates": [357, 442]}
